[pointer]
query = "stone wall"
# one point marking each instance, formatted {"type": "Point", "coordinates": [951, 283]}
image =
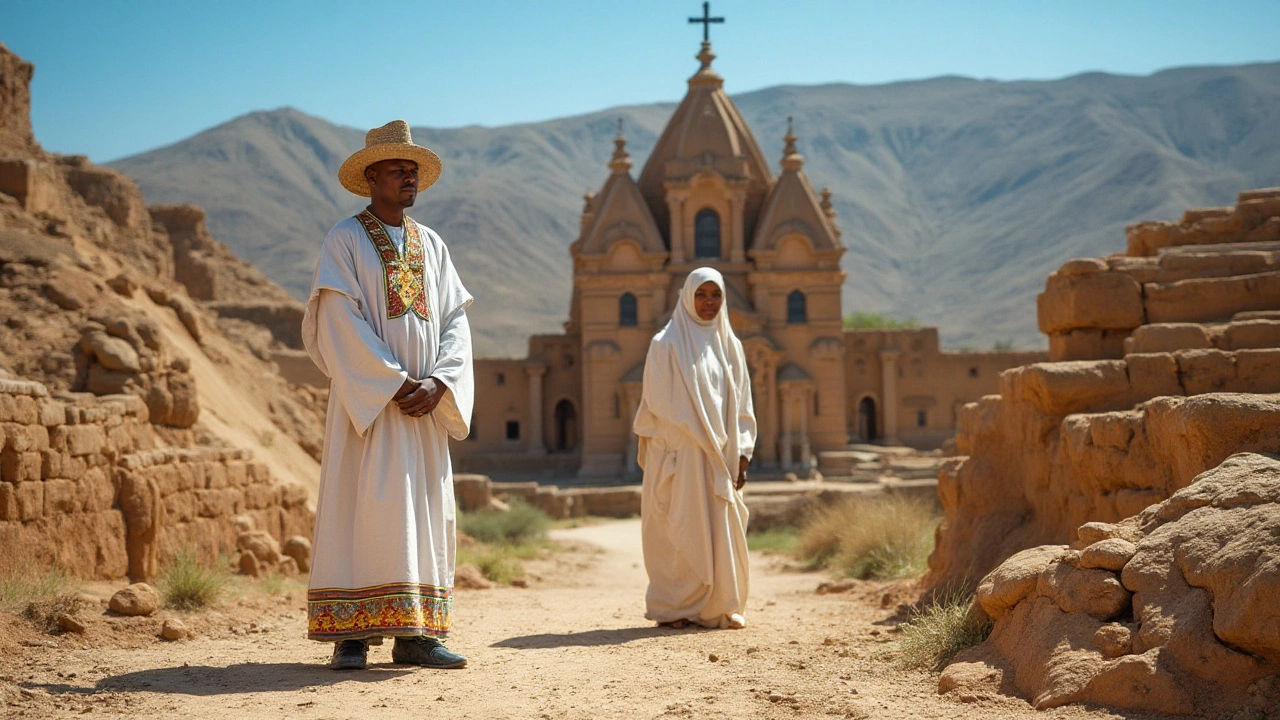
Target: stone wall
{"type": "Point", "coordinates": [1167, 362]}
{"type": "Point", "coordinates": [86, 485]}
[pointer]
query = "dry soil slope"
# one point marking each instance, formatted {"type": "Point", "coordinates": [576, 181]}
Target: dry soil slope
{"type": "Point", "coordinates": [956, 196]}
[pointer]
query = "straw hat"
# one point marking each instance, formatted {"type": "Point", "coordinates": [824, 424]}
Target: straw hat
{"type": "Point", "coordinates": [389, 142]}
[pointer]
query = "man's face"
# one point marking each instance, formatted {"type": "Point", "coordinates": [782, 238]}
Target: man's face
{"type": "Point", "coordinates": [395, 182]}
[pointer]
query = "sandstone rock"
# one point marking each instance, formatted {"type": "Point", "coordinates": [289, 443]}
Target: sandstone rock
{"type": "Point", "coordinates": [1015, 579]}
{"type": "Point", "coordinates": [174, 629]}
{"type": "Point", "coordinates": [288, 566]}
{"type": "Point", "coordinates": [186, 311]}
{"type": "Point", "coordinates": [1205, 578]}
{"type": "Point", "coordinates": [249, 565]}
{"type": "Point", "coordinates": [1113, 640]}
{"type": "Point", "coordinates": [1108, 554]}
{"type": "Point", "coordinates": [123, 285]}
{"type": "Point", "coordinates": [298, 548]}
{"type": "Point", "coordinates": [70, 623]}
{"type": "Point", "coordinates": [261, 545]}
{"type": "Point", "coordinates": [112, 353]}
{"type": "Point", "coordinates": [136, 599]}
{"type": "Point", "coordinates": [469, 577]}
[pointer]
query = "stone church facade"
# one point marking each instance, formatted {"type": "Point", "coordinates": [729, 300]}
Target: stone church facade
{"type": "Point", "coordinates": [708, 196]}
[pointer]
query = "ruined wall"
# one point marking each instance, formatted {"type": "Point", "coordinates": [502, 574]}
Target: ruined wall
{"type": "Point", "coordinates": [85, 485]}
{"type": "Point", "coordinates": [1195, 336]}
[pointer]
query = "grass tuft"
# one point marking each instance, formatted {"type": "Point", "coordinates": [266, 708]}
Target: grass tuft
{"type": "Point", "coordinates": [188, 584]}
{"type": "Point", "coordinates": [774, 540]}
{"type": "Point", "coordinates": [522, 524]}
{"type": "Point", "coordinates": [20, 587]}
{"type": "Point", "coordinates": [934, 635]}
{"type": "Point", "coordinates": [882, 537]}
{"type": "Point", "coordinates": [497, 563]}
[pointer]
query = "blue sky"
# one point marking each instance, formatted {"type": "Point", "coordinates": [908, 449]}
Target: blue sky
{"type": "Point", "coordinates": [116, 77]}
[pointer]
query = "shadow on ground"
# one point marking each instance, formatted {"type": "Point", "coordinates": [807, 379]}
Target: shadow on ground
{"type": "Point", "coordinates": [230, 680]}
{"type": "Point", "coordinates": [592, 638]}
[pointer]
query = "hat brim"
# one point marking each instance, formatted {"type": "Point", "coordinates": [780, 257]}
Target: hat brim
{"type": "Point", "coordinates": [351, 174]}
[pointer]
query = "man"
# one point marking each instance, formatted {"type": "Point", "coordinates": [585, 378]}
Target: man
{"type": "Point", "coordinates": [386, 321]}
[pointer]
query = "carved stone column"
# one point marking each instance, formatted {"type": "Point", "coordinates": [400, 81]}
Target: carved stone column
{"type": "Point", "coordinates": [737, 250]}
{"type": "Point", "coordinates": [787, 402]}
{"type": "Point", "coordinates": [806, 454]}
{"type": "Point", "coordinates": [535, 372]}
{"type": "Point", "coordinates": [889, 391]}
{"type": "Point", "coordinates": [675, 205]}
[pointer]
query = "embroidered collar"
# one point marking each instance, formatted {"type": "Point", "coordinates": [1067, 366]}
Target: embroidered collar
{"type": "Point", "coordinates": [403, 280]}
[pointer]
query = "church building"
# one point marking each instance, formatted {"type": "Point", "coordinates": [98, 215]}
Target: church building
{"type": "Point", "coordinates": [708, 195]}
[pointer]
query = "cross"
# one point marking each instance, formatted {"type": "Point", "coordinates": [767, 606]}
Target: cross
{"type": "Point", "coordinates": [706, 21]}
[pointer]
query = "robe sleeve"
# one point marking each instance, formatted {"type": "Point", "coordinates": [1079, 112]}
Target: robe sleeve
{"type": "Point", "coordinates": [453, 363]}
{"type": "Point", "coordinates": [746, 406]}
{"type": "Point", "coordinates": [365, 375]}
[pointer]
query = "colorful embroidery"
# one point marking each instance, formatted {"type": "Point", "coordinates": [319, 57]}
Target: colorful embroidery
{"type": "Point", "coordinates": [398, 609]}
{"type": "Point", "coordinates": [402, 273]}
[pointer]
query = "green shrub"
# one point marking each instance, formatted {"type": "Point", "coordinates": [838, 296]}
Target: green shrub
{"type": "Point", "coordinates": [522, 524]}
{"type": "Point", "coordinates": [933, 636]}
{"type": "Point", "coordinates": [881, 537]}
{"type": "Point", "coordinates": [498, 563]}
{"type": "Point", "coordinates": [775, 540]}
{"type": "Point", "coordinates": [188, 584]}
{"type": "Point", "coordinates": [877, 321]}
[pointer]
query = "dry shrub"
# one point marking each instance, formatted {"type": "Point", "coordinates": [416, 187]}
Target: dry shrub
{"type": "Point", "coordinates": [934, 634]}
{"type": "Point", "coordinates": [522, 524]}
{"type": "Point", "coordinates": [188, 584]}
{"type": "Point", "coordinates": [881, 537]}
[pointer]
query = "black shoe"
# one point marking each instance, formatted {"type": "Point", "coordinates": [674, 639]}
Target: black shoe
{"type": "Point", "coordinates": [350, 655]}
{"type": "Point", "coordinates": [427, 652]}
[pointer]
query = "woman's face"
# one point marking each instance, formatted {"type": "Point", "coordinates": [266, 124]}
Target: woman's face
{"type": "Point", "coordinates": [707, 300]}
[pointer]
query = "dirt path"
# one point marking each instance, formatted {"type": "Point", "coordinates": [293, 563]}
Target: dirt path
{"type": "Point", "coordinates": [572, 645]}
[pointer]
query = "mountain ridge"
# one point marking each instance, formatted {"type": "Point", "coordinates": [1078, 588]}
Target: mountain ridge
{"type": "Point", "coordinates": [956, 196]}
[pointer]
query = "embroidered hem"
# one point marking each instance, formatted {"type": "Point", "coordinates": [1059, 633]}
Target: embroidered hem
{"type": "Point", "coordinates": [401, 273]}
{"type": "Point", "coordinates": [392, 610]}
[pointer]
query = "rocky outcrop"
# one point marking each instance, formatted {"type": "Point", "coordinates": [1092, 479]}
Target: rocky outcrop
{"type": "Point", "coordinates": [16, 137]}
{"type": "Point", "coordinates": [1173, 610]}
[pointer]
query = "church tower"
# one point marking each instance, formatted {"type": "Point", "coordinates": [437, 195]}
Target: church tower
{"type": "Point", "coordinates": [707, 196]}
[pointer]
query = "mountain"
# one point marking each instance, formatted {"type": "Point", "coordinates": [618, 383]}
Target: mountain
{"type": "Point", "coordinates": [956, 196]}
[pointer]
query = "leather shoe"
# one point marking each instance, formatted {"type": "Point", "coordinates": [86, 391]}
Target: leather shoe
{"type": "Point", "coordinates": [427, 652]}
{"type": "Point", "coordinates": [350, 655]}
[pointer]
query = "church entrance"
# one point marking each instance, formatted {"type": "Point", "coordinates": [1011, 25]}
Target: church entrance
{"type": "Point", "coordinates": [566, 427]}
{"type": "Point", "coordinates": [867, 420]}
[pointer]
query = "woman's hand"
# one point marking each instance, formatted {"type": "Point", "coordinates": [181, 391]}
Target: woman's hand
{"type": "Point", "coordinates": [416, 399]}
{"type": "Point", "coordinates": [742, 473]}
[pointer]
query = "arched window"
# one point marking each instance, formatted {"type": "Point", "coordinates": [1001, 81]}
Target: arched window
{"type": "Point", "coordinates": [706, 234]}
{"type": "Point", "coordinates": [796, 307]}
{"type": "Point", "coordinates": [627, 310]}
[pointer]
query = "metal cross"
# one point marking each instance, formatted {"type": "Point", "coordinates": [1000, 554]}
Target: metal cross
{"type": "Point", "coordinates": [706, 21]}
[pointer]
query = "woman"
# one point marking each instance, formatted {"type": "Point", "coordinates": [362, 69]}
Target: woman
{"type": "Point", "coordinates": [697, 430]}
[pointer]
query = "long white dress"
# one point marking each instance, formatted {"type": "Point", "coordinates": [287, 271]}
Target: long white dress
{"type": "Point", "coordinates": [694, 421]}
{"type": "Point", "coordinates": [386, 304]}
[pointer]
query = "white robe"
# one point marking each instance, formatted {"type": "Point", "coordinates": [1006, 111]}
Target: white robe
{"type": "Point", "coordinates": [694, 421]}
{"type": "Point", "coordinates": [383, 548]}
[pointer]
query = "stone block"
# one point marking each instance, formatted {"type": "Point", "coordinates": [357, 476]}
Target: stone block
{"type": "Point", "coordinates": [8, 502]}
{"type": "Point", "coordinates": [97, 492]}
{"type": "Point", "coordinates": [30, 500]}
{"type": "Point", "coordinates": [257, 497]}
{"type": "Point", "coordinates": [1063, 388]}
{"type": "Point", "coordinates": [1206, 371]}
{"type": "Point", "coordinates": [259, 472]}
{"type": "Point", "coordinates": [1211, 299]}
{"type": "Point", "coordinates": [181, 506]}
{"type": "Point", "coordinates": [1153, 375]}
{"type": "Point", "coordinates": [1258, 371]}
{"type": "Point", "coordinates": [85, 439]}
{"type": "Point", "coordinates": [1104, 300]}
{"type": "Point", "coordinates": [1168, 337]}
{"type": "Point", "coordinates": [21, 409]}
{"type": "Point", "coordinates": [212, 503]}
{"type": "Point", "coordinates": [1197, 214]}
{"type": "Point", "coordinates": [26, 438]}
{"type": "Point", "coordinates": [1146, 238]}
{"type": "Point", "coordinates": [237, 474]}
{"type": "Point", "coordinates": [1087, 344]}
{"type": "Point", "coordinates": [1252, 334]}
{"type": "Point", "coordinates": [59, 497]}
{"type": "Point", "coordinates": [51, 412]}
{"type": "Point", "coordinates": [293, 495]}
{"type": "Point", "coordinates": [215, 475]}
{"type": "Point", "coordinates": [472, 492]}
{"type": "Point", "coordinates": [20, 467]}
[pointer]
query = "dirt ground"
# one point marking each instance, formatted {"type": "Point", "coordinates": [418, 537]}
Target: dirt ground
{"type": "Point", "coordinates": [573, 644]}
